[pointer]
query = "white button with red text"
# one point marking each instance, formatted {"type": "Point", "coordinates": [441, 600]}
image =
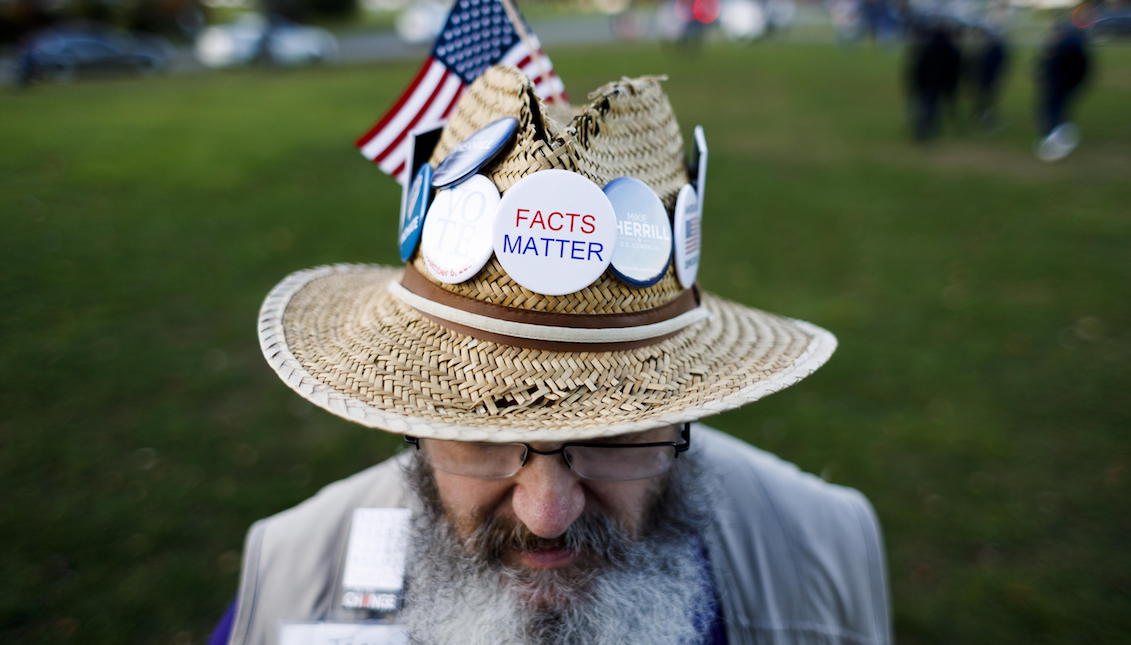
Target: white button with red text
{"type": "Point", "coordinates": [555, 233]}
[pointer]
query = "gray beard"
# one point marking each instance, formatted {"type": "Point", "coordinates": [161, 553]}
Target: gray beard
{"type": "Point", "coordinates": [651, 590]}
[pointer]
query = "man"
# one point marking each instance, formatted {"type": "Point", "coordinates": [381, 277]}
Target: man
{"type": "Point", "coordinates": [934, 64]}
{"type": "Point", "coordinates": [987, 67]}
{"type": "Point", "coordinates": [1062, 71]}
{"type": "Point", "coordinates": [558, 491]}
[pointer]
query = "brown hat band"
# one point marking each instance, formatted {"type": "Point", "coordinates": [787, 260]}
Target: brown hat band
{"type": "Point", "coordinates": [547, 330]}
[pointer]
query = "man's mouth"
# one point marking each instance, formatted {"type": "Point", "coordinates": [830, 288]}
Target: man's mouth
{"type": "Point", "coordinates": [546, 558]}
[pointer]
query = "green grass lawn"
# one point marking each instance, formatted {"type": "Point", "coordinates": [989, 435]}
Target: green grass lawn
{"type": "Point", "coordinates": [979, 396]}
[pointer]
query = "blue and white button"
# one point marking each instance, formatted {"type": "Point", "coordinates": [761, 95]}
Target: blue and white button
{"type": "Point", "coordinates": [474, 152]}
{"type": "Point", "coordinates": [644, 234]}
{"type": "Point", "coordinates": [417, 208]}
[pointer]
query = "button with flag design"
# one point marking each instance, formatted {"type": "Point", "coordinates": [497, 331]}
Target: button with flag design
{"type": "Point", "coordinates": [416, 208]}
{"type": "Point", "coordinates": [474, 152]}
{"type": "Point", "coordinates": [688, 236]}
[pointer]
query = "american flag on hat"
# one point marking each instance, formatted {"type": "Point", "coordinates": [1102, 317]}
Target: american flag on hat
{"type": "Point", "coordinates": [476, 35]}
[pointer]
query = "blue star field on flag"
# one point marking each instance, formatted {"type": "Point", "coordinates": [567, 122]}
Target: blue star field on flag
{"type": "Point", "coordinates": [475, 36]}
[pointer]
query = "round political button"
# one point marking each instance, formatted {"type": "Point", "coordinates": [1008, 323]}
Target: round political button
{"type": "Point", "coordinates": [458, 232]}
{"type": "Point", "coordinates": [474, 152]}
{"type": "Point", "coordinates": [688, 236]}
{"type": "Point", "coordinates": [555, 233]}
{"type": "Point", "coordinates": [415, 209]}
{"type": "Point", "coordinates": [644, 234]}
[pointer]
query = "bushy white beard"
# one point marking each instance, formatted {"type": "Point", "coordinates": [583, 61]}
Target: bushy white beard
{"type": "Point", "coordinates": [647, 591]}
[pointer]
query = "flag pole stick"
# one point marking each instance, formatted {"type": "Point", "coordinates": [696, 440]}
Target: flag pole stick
{"type": "Point", "coordinates": [536, 52]}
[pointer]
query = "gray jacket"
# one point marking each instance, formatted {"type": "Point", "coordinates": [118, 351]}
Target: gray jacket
{"type": "Point", "coordinates": [795, 559]}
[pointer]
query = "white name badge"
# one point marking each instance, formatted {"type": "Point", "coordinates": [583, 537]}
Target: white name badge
{"type": "Point", "coordinates": [688, 236]}
{"type": "Point", "coordinates": [457, 238]}
{"type": "Point", "coordinates": [700, 164]}
{"type": "Point", "coordinates": [555, 233]}
{"type": "Point", "coordinates": [342, 634]}
{"type": "Point", "coordinates": [375, 558]}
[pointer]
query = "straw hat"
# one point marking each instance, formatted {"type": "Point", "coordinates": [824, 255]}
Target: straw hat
{"type": "Point", "coordinates": [488, 359]}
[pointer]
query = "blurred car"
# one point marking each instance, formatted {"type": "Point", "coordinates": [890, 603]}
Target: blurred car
{"type": "Point", "coordinates": [66, 52]}
{"type": "Point", "coordinates": [741, 20]}
{"type": "Point", "coordinates": [744, 19]}
{"type": "Point", "coordinates": [253, 37]}
{"type": "Point", "coordinates": [1113, 25]}
{"type": "Point", "coordinates": [421, 21]}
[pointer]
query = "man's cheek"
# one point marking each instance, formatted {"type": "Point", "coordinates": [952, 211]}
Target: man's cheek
{"type": "Point", "coordinates": [631, 504]}
{"type": "Point", "coordinates": [468, 503]}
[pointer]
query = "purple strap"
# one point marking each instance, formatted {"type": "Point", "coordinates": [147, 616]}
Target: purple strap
{"type": "Point", "coordinates": [223, 630]}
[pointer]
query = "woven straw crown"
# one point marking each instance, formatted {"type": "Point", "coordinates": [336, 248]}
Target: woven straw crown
{"type": "Point", "coordinates": [628, 130]}
{"type": "Point", "coordinates": [340, 338]}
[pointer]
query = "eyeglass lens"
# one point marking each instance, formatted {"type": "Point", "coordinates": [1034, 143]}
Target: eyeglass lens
{"type": "Point", "coordinates": [482, 460]}
{"type": "Point", "coordinates": [503, 460]}
{"type": "Point", "coordinates": [620, 464]}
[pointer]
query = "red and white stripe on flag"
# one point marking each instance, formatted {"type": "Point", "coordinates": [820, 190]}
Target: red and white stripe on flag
{"type": "Point", "coordinates": [431, 97]}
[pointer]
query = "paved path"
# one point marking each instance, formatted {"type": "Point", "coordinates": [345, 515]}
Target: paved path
{"type": "Point", "coordinates": [381, 46]}
{"type": "Point", "coordinates": [372, 46]}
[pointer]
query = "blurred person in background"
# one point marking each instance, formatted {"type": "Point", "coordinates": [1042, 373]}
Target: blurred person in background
{"type": "Point", "coordinates": [986, 66]}
{"type": "Point", "coordinates": [878, 22]}
{"type": "Point", "coordinates": [1062, 70]}
{"type": "Point", "coordinates": [690, 19]}
{"type": "Point", "coordinates": [934, 65]}
{"type": "Point", "coordinates": [558, 491]}
{"type": "Point", "coordinates": [845, 16]}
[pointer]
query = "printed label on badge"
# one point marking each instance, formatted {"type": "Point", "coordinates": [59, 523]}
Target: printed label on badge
{"type": "Point", "coordinates": [688, 236]}
{"type": "Point", "coordinates": [644, 234]}
{"type": "Point", "coordinates": [418, 199]}
{"type": "Point", "coordinates": [555, 233]}
{"type": "Point", "coordinates": [700, 165]}
{"type": "Point", "coordinates": [375, 557]}
{"type": "Point", "coordinates": [458, 232]}
{"type": "Point", "coordinates": [371, 600]}
{"type": "Point", "coordinates": [474, 152]}
{"type": "Point", "coordinates": [342, 634]}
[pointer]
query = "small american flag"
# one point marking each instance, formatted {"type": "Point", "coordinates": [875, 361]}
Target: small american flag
{"type": "Point", "coordinates": [476, 35]}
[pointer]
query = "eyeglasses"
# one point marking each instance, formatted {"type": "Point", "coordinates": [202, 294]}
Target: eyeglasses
{"type": "Point", "coordinates": [592, 460]}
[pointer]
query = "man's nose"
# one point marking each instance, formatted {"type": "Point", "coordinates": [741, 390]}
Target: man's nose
{"type": "Point", "coordinates": [548, 496]}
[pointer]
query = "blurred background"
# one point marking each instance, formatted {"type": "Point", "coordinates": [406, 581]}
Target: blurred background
{"type": "Point", "coordinates": [945, 186]}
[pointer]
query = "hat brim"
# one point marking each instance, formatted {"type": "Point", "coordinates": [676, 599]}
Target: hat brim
{"type": "Point", "coordinates": [336, 335]}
